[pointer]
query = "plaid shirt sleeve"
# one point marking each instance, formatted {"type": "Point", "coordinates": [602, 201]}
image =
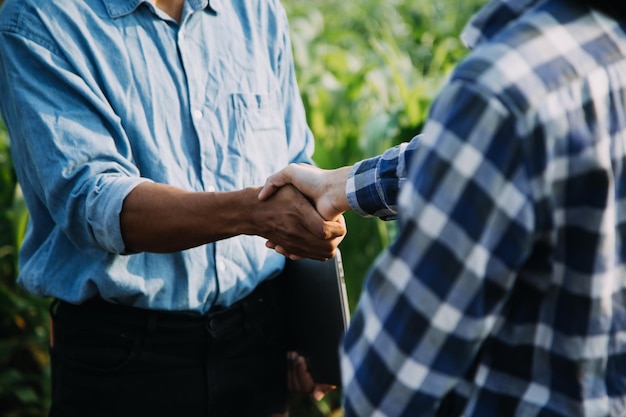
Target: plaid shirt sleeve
{"type": "Point", "coordinates": [373, 184]}
{"type": "Point", "coordinates": [433, 297]}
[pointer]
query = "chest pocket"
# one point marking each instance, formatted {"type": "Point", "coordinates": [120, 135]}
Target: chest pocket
{"type": "Point", "coordinates": [260, 137]}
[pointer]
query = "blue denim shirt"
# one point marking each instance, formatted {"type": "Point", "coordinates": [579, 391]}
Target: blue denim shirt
{"type": "Point", "coordinates": [102, 95]}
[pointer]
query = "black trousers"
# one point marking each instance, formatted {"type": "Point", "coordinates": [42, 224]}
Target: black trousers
{"type": "Point", "coordinates": [116, 361]}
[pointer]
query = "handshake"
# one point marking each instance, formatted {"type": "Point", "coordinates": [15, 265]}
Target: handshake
{"type": "Point", "coordinates": [326, 190]}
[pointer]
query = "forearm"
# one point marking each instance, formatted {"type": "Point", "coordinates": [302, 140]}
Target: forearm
{"type": "Point", "coordinates": [161, 218]}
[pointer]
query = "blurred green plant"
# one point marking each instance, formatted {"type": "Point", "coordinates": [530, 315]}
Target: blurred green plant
{"type": "Point", "coordinates": [368, 72]}
{"type": "Point", "coordinates": [24, 363]}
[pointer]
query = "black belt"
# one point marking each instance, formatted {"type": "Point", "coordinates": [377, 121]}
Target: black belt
{"type": "Point", "coordinates": [266, 295]}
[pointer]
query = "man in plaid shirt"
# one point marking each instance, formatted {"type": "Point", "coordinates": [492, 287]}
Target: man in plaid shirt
{"type": "Point", "coordinates": [504, 293]}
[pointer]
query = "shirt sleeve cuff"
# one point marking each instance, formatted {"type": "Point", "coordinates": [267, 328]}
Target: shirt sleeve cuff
{"type": "Point", "coordinates": [363, 193]}
{"type": "Point", "coordinates": [104, 209]}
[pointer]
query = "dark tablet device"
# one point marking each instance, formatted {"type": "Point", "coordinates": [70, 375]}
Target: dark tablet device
{"type": "Point", "coordinates": [317, 314]}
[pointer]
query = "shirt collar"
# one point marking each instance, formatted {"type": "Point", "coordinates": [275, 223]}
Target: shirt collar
{"type": "Point", "coordinates": [493, 18]}
{"type": "Point", "coordinates": [215, 5]}
{"type": "Point", "coordinates": [119, 8]}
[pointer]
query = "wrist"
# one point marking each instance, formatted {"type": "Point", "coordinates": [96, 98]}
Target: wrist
{"type": "Point", "coordinates": [337, 188]}
{"type": "Point", "coordinates": [245, 211]}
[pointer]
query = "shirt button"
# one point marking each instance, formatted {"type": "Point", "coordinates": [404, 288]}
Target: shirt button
{"type": "Point", "coordinates": [221, 266]}
{"type": "Point", "coordinates": [210, 188]}
{"type": "Point", "coordinates": [197, 114]}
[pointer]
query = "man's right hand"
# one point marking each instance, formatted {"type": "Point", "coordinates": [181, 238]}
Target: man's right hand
{"type": "Point", "coordinates": [327, 188]}
{"type": "Point", "coordinates": [300, 381]}
{"type": "Point", "coordinates": [160, 218]}
{"type": "Point", "coordinates": [294, 228]}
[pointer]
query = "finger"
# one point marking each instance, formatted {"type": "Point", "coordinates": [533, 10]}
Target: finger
{"type": "Point", "coordinates": [299, 380]}
{"type": "Point", "coordinates": [274, 182]}
{"type": "Point", "coordinates": [293, 238]}
{"type": "Point", "coordinates": [318, 253]}
{"type": "Point", "coordinates": [305, 381]}
{"type": "Point", "coordinates": [303, 212]}
{"type": "Point", "coordinates": [342, 231]}
{"type": "Point", "coordinates": [268, 189]}
{"type": "Point", "coordinates": [321, 390]}
{"type": "Point", "coordinates": [309, 255]}
{"type": "Point", "coordinates": [334, 228]}
{"type": "Point", "coordinates": [282, 251]}
{"type": "Point", "coordinates": [279, 249]}
{"type": "Point", "coordinates": [314, 222]}
{"type": "Point", "coordinates": [292, 382]}
{"type": "Point", "coordinates": [321, 228]}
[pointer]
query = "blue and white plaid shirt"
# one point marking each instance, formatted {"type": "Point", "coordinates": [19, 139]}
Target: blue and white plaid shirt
{"type": "Point", "coordinates": [504, 293]}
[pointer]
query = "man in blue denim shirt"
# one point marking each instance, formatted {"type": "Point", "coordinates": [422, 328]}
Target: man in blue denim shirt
{"type": "Point", "coordinates": [140, 131]}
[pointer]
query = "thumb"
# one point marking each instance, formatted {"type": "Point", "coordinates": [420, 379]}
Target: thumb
{"type": "Point", "coordinates": [274, 182]}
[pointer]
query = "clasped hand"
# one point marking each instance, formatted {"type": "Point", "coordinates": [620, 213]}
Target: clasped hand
{"type": "Point", "coordinates": [299, 380]}
{"type": "Point", "coordinates": [325, 188]}
{"type": "Point", "coordinates": [294, 228]}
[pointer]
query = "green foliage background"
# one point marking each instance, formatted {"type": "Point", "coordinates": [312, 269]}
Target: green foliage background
{"type": "Point", "coordinates": [368, 71]}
